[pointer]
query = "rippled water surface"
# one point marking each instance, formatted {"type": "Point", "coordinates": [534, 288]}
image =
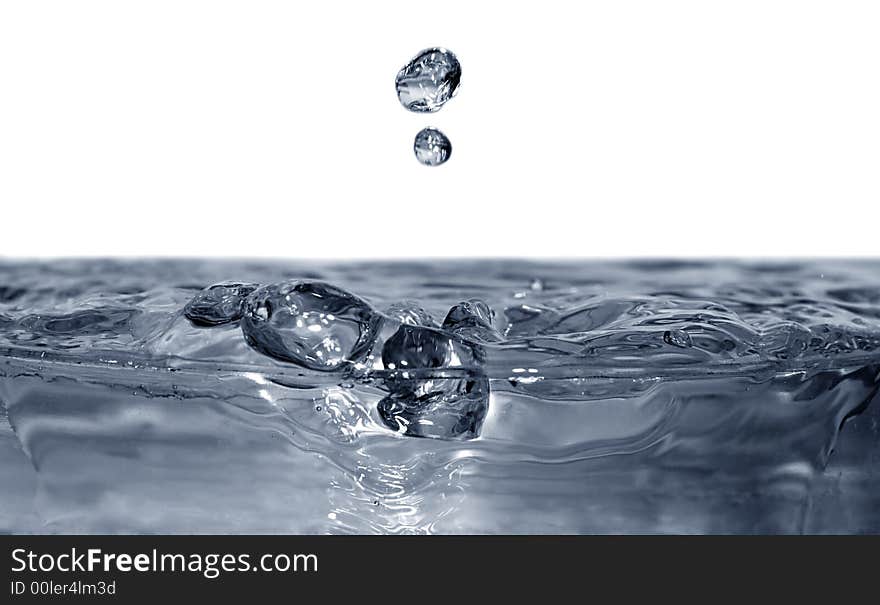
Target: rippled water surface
{"type": "Point", "coordinates": [439, 397]}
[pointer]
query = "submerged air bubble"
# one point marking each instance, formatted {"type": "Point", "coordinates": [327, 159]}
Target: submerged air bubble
{"type": "Point", "coordinates": [437, 407]}
{"type": "Point", "coordinates": [429, 80]}
{"type": "Point", "coordinates": [218, 304]}
{"type": "Point", "coordinates": [432, 147]}
{"type": "Point", "coordinates": [310, 323]}
{"type": "Point", "coordinates": [434, 389]}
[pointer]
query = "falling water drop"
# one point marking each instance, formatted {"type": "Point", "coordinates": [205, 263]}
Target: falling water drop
{"type": "Point", "coordinates": [432, 147]}
{"type": "Point", "coordinates": [429, 80]}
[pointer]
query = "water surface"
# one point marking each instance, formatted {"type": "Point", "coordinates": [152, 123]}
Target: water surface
{"type": "Point", "coordinates": [637, 396]}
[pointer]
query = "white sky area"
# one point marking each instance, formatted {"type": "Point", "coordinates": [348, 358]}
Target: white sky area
{"type": "Point", "coordinates": [272, 129]}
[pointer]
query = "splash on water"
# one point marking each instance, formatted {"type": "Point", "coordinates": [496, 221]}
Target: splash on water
{"type": "Point", "coordinates": [552, 397]}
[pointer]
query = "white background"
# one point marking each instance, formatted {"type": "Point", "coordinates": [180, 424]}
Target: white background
{"type": "Point", "coordinates": [580, 129]}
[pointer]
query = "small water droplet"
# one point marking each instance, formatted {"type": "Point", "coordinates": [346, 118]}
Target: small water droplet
{"type": "Point", "coordinates": [432, 147]}
{"type": "Point", "coordinates": [429, 80]}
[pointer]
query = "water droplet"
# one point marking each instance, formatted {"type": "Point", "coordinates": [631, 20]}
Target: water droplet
{"type": "Point", "coordinates": [678, 338]}
{"type": "Point", "coordinates": [429, 80]}
{"type": "Point", "coordinates": [410, 313]}
{"type": "Point", "coordinates": [537, 285]}
{"type": "Point", "coordinates": [431, 147]}
{"type": "Point", "coordinates": [310, 323]}
{"type": "Point", "coordinates": [218, 304]}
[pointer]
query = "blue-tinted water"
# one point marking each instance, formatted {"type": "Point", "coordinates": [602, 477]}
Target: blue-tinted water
{"type": "Point", "coordinates": [438, 397]}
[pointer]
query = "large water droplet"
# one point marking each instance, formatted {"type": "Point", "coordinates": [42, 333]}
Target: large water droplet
{"type": "Point", "coordinates": [429, 80]}
{"type": "Point", "coordinates": [431, 147]}
{"type": "Point", "coordinates": [218, 304]}
{"type": "Point", "coordinates": [310, 323]}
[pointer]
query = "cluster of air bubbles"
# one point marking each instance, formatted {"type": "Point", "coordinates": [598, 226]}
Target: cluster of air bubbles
{"type": "Point", "coordinates": [433, 375]}
{"type": "Point", "coordinates": [424, 85]}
